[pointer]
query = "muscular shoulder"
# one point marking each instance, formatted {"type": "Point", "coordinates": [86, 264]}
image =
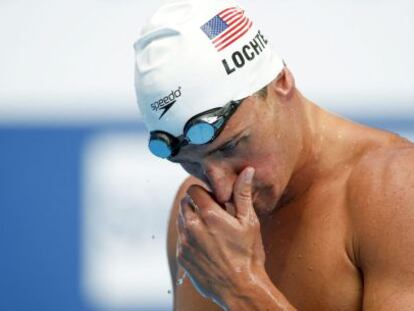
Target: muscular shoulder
{"type": "Point", "coordinates": [381, 168]}
{"type": "Point", "coordinates": [381, 201]}
{"type": "Point", "coordinates": [384, 174]}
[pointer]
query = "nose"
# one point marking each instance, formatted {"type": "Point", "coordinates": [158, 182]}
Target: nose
{"type": "Point", "coordinates": [220, 179]}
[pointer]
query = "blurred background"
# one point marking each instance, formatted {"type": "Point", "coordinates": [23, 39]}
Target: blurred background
{"type": "Point", "coordinates": [83, 205]}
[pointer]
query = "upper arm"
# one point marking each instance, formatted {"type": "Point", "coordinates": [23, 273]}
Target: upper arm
{"type": "Point", "coordinates": [384, 226]}
{"type": "Point", "coordinates": [185, 295]}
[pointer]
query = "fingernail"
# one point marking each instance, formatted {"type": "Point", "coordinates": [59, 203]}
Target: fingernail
{"type": "Point", "coordinates": [248, 177]}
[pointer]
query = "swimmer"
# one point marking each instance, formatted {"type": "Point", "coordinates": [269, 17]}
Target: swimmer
{"type": "Point", "coordinates": [287, 206]}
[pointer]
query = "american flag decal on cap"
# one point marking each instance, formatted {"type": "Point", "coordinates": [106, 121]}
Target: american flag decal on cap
{"type": "Point", "coordinates": [227, 27]}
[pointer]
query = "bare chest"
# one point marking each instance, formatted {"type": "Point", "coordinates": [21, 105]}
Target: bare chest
{"type": "Point", "coordinates": [308, 258]}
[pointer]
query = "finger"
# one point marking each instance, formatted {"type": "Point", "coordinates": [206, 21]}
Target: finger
{"type": "Point", "coordinates": [208, 209]}
{"type": "Point", "coordinates": [230, 208]}
{"type": "Point", "coordinates": [181, 234]}
{"type": "Point", "coordinates": [187, 211]}
{"type": "Point", "coordinates": [189, 222]}
{"type": "Point", "coordinates": [200, 196]}
{"type": "Point", "coordinates": [193, 204]}
{"type": "Point", "coordinates": [180, 225]}
{"type": "Point", "coordinates": [242, 193]}
{"type": "Point", "coordinates": [183, 241]}
{"type": "Point", "coordinates": [187, 231]}
{"type": "Point", "coordinates": [177, 246]}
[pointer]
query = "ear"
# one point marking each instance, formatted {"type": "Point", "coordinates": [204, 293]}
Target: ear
{"type": "Point", "coordinates": [284, 84]}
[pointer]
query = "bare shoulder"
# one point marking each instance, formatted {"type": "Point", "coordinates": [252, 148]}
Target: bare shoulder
{"type": "Point", "coordinates": [385, 172]}
{"type": "Point", "coordinates": [185, 296]}
{"type": "Point", "coordinates": [380, 201]}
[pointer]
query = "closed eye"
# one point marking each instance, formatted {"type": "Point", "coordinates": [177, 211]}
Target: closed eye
{"type": "Point", "coordinates": [230, 147]}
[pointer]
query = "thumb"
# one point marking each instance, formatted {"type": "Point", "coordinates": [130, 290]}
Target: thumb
{"type": "Point", "coordinates": [243, 193]}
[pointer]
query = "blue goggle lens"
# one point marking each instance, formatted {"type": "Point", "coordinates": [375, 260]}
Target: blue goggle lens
{"type": "Point", "coordinates": [159, 148]}
{"type": "Point", "coordinates": [200, 133]}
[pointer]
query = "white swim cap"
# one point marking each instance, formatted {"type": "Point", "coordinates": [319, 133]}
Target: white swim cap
{"type": "Point", "coordinates": [196, 55]}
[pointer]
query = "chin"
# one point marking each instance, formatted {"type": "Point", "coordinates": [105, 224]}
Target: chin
{"type": "Point", "coordinates": [263, 208]}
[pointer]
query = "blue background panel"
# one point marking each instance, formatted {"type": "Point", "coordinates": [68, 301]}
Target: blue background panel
{"type": "Point", "coordinates": [39, 216]}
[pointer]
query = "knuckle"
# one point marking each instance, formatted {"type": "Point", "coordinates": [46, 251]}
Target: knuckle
{"type": "Point", "coordinates": [254, 224]}
{"type": "Point", "coordinates": [250, 225]}
{"type": "Point", "coordinates": [208, 214]}
{"type": "Point", "coordinates": [192, 224]}
{"type": "Point", "coordinates": [244, 195]}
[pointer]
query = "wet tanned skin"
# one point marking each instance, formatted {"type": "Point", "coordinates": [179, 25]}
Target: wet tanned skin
{"type": "Point", "coordinates": [326, 224]}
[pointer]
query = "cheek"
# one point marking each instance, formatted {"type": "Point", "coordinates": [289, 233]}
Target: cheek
{"type": "Point", "coordinates": [270, 160]}
{"type": "Point", "coordinates": [266, 162]}
{"type": "Point", "coordinates": [270, 179]}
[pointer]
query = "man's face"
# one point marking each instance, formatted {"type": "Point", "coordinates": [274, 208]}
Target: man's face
{"type": "Point", "coordinates": [251, 137]}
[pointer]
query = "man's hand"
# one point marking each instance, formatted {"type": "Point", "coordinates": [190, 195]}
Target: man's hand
{"type": "Point", "coordinates": [221, 253]}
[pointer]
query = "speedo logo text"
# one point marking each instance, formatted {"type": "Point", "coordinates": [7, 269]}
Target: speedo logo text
{"type": "Point", "coordinates": [165, 103]}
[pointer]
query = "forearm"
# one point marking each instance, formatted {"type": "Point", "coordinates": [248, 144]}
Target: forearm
{"type": "Point", "coordinates": [258, 294]}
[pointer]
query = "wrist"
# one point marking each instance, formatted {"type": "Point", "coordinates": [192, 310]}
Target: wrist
{"type": "Point", "coordinates": [256, 292]}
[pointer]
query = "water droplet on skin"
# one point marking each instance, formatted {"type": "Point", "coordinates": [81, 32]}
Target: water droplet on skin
{"type": "Point", "coordinates": [310, 268]}
{"type": "Point", "coordinates": [180, 280]}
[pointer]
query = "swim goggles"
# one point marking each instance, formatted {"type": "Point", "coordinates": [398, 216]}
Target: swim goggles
{"type": "Point", "coordinates": [199, 130]}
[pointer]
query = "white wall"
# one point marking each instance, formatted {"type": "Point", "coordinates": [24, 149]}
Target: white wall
{"type": "Point", "coordinates": [127, 196]}
{"type": "Point", "coordinates": [73, 60]}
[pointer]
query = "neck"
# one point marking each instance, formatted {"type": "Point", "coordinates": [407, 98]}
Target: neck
{"type": "Point", "coordinates": [313, 131]}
